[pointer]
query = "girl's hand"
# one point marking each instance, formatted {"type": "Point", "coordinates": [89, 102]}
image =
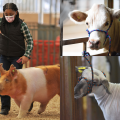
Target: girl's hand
{"type": "Point", "coordinates": [24, 59]}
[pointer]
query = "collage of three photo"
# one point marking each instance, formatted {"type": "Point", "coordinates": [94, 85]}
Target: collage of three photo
{"type": "Point", "coordinates": [59, 59]}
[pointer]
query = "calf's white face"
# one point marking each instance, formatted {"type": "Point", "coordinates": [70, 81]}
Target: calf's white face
{"type": "Point", "coordinates": [98, 17]}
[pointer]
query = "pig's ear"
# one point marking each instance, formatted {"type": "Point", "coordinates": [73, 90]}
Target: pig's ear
{"type": "Point", "coordinates": [105, 83]}
{"type": "Point", "coordinates": [76, 16]}
{"type": "Point", "coordinates": [114, 13]}
{"type": "Point", "coordinates": [13, 71]}
{"type": "Point", "coordinates": [2, 71]}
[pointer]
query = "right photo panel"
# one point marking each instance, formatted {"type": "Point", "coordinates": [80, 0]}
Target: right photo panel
{"type": "Point", "coordinates": [90, 88]}
{"type": "Point", "coordinates": [90, 60]}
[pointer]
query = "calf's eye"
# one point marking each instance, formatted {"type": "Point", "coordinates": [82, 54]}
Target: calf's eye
{"type": "Point", "coordinates": [86, 23]}
{"type": "Point", "coordinates": [107, 23]}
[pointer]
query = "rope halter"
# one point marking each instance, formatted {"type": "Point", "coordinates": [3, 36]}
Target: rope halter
{"type": "Point", "coordinates": [106, 33]}
{"type": "Point", "coordinates": [89, 82]}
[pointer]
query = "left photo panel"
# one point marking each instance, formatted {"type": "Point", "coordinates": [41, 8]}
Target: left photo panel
{"type": "Point", "coordinates": [30, 59]}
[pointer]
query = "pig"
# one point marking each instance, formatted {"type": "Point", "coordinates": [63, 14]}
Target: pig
{"type": "Point", "coordinates": [39, 84]}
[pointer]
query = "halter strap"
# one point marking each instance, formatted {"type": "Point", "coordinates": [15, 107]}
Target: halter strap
{"type": "Point", "coordinates": [89, 82]}
{"type": "Point", "coordinates": [87, 54]}
{"type": "Point", "coordinates": [106, 33]}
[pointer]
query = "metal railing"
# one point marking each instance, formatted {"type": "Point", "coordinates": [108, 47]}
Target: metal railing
{"type": "Point", "coordinates": [23, 5]}
{"type": "Point", "coordinates": [46, 44]}
{"type": "Point", "coordinates": [44, 32]}
{"type": "Point", "coordinates": [84, 41]}
{"type": "Point", "coordinates": [34, 6]}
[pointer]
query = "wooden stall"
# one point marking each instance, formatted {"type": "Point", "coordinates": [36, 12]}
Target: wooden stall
{"type": "Point", "coordinates": [72, 109]}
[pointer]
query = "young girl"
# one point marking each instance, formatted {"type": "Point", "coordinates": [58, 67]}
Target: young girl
{"type": "Point", "coordinates": [12, 46]}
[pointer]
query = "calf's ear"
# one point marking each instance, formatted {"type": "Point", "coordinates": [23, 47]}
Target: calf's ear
{"type": "Point", "coordinates": [105, 84]}
{"type": "Point", "coordinates": [13, 72]}
{"type": "Point", "coordinates": [2, 71]}
{"type": "Point", "coordinates": [77, 16]}
{"type": "Point", "coordinates": [114, 13]}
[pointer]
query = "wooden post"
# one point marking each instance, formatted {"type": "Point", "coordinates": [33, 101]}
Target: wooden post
{"type": "Point", "coordinates": [61, 31]}
{"type": "Point", "coordinates": [84, 46]}
{"type": "Point", "coordinates": [70, 109]}
{"type": "Point", "coordinates": [108, 3]}
{"type": "Point", "coordinates": [115, 69]}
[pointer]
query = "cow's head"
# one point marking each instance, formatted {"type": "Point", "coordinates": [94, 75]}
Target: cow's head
{"type": "Point", "coordinates": [98, 17]}
{"type": "Point", "coordinates": [80, 89]}
{"type": "Point", "coordinates": [7, 80]}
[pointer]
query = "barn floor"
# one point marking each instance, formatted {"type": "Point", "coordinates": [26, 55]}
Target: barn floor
{"type": "Point", "coordinates": [52, 111]}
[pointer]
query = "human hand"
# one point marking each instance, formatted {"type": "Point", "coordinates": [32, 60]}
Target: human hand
{"type": "Point", "coordinates": [24, 59]}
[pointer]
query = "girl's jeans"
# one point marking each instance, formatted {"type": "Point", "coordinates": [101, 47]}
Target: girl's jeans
{"type": "Point", "coordinates": [7, 61]}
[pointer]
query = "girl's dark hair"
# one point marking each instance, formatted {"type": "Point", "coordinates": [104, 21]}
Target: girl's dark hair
{"type": "Point", "coordinates": [14, 8]}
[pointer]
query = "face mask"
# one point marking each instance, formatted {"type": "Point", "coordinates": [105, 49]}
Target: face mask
{"type": "Point", "coordinates": [9, 19]}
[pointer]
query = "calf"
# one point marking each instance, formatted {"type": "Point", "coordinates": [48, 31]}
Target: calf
{"type": "Point", "coordinates": [102, 18]}
{"type": "Point", "coordinates": [30, 84]}
{"type": "Point", "coordinates": [106, 93]}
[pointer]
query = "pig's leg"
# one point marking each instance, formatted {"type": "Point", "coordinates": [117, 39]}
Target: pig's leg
{"type": "Point", "coordinates": [42, 107]}
{"type": "Point", "coordinates": [17, 102]}
{"type": "Point", "coordinates": [24, 107]}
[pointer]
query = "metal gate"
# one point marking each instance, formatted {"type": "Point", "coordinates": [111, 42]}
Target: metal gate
{"type": "Point", "coordinates": [46, 45]}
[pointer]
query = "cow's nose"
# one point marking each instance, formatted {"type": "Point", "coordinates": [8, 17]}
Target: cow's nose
{"type": "Point", "coordinates": [97, 42]}
{"type": "Point", "coordinates": [94, 43]}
